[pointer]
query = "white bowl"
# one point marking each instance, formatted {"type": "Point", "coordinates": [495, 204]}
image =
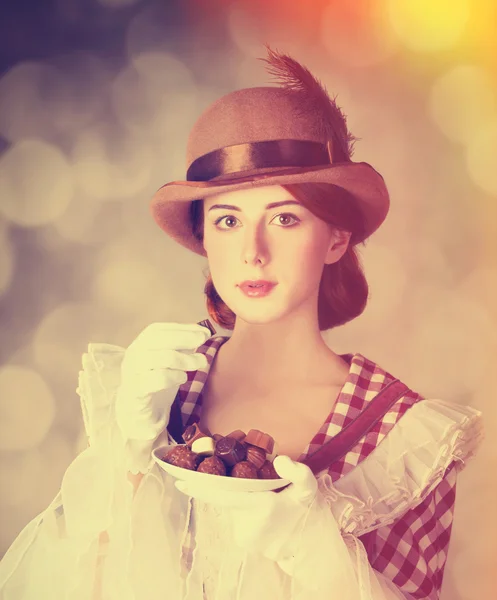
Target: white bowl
{"type": "Point", "coordinates": [216, 482]}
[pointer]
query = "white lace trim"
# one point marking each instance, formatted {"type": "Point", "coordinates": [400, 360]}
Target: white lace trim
{"type": "Point", "coordinates": [426, 441]}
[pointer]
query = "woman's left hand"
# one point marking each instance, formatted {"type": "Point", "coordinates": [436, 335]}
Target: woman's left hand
{"type": "Point", "coordinates": [265, 521]}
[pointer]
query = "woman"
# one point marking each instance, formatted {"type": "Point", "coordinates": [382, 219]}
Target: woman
{"type": "Point", "coordinates": [271, 194]}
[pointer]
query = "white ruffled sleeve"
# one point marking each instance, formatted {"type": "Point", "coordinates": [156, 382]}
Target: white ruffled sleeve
{"type": "Point", "coordinates": [406, 466]}
{"type": "Point", "coordinates": [96, 541]}
{"type": "Point", "coordinates": [401, 473]}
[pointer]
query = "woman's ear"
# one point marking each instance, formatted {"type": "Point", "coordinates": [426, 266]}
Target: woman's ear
{"type": "Point", "coordinates": [338, 246]}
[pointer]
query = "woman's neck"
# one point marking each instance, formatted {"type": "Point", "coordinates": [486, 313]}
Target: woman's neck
{"type": "Point", "coordinates": [284, 365]}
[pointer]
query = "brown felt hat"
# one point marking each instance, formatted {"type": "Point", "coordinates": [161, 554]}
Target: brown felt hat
{"type": "Point", "coordinates": [263, 136]}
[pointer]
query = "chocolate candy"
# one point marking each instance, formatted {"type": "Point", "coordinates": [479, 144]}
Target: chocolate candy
{"type": "Point", "coordinates": [230, 451]}
{"type": "Point", "coordinates": [256, 456]}
{"type": "Point", "coordinates": [212, 465]}
{"type": "Point", "coordinates": [245, 470]}
{"type": "Point", "coordinates": [267, 471]}
{"type": "Point", "coordinates": [238, 434]}
{"type": "Point", "coordinates": [206, 323]}
{"type": "Point", "coordinates": [235, 455]}
{"type": "Point", "coordinates": [193, 433]}
{"type": "Point", "coordinates": [182, 456]}
{"type": "Point", "coordinates": [260, 439]}
{"type": "Point", "coordinates": [204, 446]}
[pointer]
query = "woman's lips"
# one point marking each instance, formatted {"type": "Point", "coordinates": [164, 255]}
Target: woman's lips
{"type": "Point", "coordinates": [260, 290]}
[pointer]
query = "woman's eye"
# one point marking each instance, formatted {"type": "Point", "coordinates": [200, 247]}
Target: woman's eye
{"type": "Point", "coordinates": [295, 219]}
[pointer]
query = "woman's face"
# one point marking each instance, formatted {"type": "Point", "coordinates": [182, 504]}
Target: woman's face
{"type": "Point", "coordinates": [284, 244]}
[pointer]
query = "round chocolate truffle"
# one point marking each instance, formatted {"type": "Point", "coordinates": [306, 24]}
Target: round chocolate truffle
{"type": "Point", "coordinates": [267, 471]}
{"type": "Point", "coordinates": [182, 456]}
{"type": "Point", "coordinates": [245, 470]}
{"type": "Point", "coordinates": [212, 465]}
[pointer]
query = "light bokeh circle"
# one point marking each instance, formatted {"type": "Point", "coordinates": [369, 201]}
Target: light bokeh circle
{"type": "Point", "coordinates": [27, 408]}
{"type": "Point", "coordinates": [428, 26]}
{"type": "Point", "coordinates": [481, 157]}
{"type": "Point", "coordinates": [462, 101]}
{"type": "Point", "coordinates": [36, 183]}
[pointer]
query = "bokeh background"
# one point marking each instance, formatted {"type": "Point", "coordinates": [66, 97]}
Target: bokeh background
{"type": "Point", "coordinates": [96, 101]}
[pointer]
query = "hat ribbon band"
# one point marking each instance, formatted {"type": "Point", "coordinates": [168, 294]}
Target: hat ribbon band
{"type": "Point", "coordinates": [259, 155]}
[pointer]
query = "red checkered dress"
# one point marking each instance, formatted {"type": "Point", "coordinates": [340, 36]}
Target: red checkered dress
{"type": "Point", "coordinates": [412, 551]}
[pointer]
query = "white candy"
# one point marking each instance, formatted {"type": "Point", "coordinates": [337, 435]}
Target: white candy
{"type": "Point", "coordinates": [204, 446]}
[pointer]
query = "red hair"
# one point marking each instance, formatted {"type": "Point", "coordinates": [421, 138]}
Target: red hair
{"type": "Point", "coordinates": [343, 291]}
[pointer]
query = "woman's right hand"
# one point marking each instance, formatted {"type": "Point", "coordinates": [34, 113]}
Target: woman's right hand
{"type": "Point", "coordinates": [153, 368]}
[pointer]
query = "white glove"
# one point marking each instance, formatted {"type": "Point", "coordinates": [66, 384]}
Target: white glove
{"type": "Point", "coordinates": [153, 368]}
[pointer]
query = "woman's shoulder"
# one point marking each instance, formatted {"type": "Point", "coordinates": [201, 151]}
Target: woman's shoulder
{"type": "Point", "coordinates": [433, 439]}
{"type": "Point", "coordinates": [374, 374]}
{"type": "Point", "coordinates": [367, 380]}
{"type": "Point", "coordinates": [409, 424]}
{"type": "Point", "coordinates": [410, 450]}
{"type": "Point", "coordinates": [411, 407]}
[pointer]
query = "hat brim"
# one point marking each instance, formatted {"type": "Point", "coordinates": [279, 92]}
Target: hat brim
{"type": "Point", "coordinates": [170, 204]}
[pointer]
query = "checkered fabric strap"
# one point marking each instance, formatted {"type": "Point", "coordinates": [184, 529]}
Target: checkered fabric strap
{"type": "Point", "coordinates": [352, 433]}
{"type": "Point", "coordinates": [175, 426]}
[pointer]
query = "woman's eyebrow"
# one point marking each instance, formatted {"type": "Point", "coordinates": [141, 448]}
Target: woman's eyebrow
{"type": "Point", "coordinates": [268, 207]}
